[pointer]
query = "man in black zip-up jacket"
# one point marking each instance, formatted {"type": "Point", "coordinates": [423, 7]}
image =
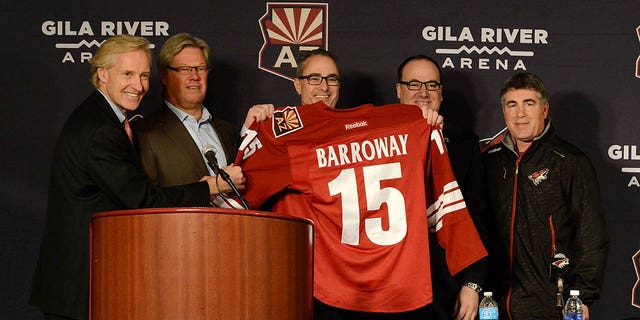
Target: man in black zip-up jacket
{"type": "Point", "coordinates": [545, 201]}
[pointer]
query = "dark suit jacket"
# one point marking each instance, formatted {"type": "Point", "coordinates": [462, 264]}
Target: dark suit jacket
{"type": "Point", "coordinates": [169, 155]}
{"type": "Point", "coordinates": [94, 169]}
{"type": "Point", "coordinates": [466, 162]}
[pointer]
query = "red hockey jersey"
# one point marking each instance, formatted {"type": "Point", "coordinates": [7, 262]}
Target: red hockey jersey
{"type": "Point", "coordinates": [373, 180]}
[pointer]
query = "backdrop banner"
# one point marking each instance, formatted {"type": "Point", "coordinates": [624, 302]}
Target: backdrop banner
{"type": "Point", "coordinates": [588, 55]}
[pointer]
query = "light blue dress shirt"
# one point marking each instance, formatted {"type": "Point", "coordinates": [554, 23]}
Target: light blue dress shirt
{"type": "Point", "coordinates": [201, 132]}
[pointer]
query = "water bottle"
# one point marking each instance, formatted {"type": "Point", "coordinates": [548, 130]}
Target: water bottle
{"type": "Point", "coordinates": [573, 307]}
{"type": "Point", "coordinates": [488, 309]}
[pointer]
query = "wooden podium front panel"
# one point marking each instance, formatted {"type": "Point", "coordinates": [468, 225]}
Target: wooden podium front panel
{"type": "Point", "coordinates": [200, 264]}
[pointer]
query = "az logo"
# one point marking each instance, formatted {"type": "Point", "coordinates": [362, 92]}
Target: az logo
{"type": "Point", "coordinates": [286, 121]}
{"type": "Point", "coordinates": [288, 30]}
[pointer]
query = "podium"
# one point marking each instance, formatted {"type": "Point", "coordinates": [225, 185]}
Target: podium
{"type": "Point", "coordinates": [200, 263]}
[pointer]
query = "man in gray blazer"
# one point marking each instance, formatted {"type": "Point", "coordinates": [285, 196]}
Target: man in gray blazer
{"type": "Point", "coordinates": [171, 140]}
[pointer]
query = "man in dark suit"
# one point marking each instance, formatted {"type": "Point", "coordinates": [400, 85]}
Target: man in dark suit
{"type": "Point", "coordinates": [171, 140]}
{"type": "Point", "coordinates": [95, 169]}
{"type": "Point", "coordinates": [454, 297]}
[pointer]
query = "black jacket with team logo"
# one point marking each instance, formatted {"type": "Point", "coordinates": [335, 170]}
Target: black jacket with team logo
{"type": "Point", "coordinates": [556, 202]}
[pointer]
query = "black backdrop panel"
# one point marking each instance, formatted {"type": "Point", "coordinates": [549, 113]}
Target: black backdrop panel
{"type": "Point", "coordinates": [587, 53]}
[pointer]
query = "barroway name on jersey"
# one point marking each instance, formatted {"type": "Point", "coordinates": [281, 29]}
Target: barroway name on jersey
{"type": "Point", "coordinates": [359, 151]}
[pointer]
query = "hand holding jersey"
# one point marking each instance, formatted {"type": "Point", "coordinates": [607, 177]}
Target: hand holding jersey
{"type": "Point", "coordinates": [361, 175]}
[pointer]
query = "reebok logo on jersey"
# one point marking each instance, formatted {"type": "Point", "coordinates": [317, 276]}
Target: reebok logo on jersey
{"type": "Point", "coordinates": [286, 121]}
{"type": "Point", "coordinates": [357, 124]}
{"type": "Point", "coordinates": [539, 176]}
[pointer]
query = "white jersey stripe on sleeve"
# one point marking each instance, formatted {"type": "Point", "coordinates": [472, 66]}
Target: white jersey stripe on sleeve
{"type": "Point", "coordinates": [450, 200]}
{"type": "Point", "coordinates": [221, 202]}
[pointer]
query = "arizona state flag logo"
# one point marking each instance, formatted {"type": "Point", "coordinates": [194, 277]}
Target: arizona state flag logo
{"type": "Point", "coordinates": [289, 30]}
{"type": "Point", "coordinates": [286, 121]}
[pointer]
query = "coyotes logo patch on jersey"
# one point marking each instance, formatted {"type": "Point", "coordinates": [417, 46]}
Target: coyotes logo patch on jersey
{"type": "Point", "coordinates": [286, 121]}
{"type": "Point", "coordinates": [539, 176]}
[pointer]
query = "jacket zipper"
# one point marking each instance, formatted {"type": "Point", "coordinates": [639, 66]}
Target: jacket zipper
{"type": "Point", "coordinates": [553, 238]}
{"type": "Point", "coordinates": [512, 227]}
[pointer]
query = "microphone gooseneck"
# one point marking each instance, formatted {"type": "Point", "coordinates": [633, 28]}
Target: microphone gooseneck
{"type": "Point", "coordinates": [559, 272]}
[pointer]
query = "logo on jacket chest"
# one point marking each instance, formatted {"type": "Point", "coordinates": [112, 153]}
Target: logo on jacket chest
{"type": "Point", "coordinates": [539, 176]}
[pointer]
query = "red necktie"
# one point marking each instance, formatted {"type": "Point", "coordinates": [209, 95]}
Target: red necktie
{"type": "Point", "coordinates": [127, 129]}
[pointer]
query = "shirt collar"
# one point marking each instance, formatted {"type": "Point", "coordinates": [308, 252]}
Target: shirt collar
{"type": "Point", "coordinates": [206, 115]}
{"type": "Point", "coordinates": [114, 107]}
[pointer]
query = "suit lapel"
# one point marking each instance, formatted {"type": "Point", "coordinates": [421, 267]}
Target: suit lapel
{"type": "Point", "coordinates": [105, 108]}
{"type": "Point", "coordinates": [108, 114]}
{"type": "Point", "coordinates": [176, 131]}
{"type": "Point", "coordinates": [221, 137]}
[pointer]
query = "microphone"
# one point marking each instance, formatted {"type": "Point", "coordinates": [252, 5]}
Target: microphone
{"type": "Point", "coordinates": [559, 274]}
{"type": "Point", "coordinates": [209, 153]}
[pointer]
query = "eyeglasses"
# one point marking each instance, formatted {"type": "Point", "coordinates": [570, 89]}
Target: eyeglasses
{"type": "Point", "coordinates": [186, 70]}
{"type": "Point", "coordinates": [316, 79]}
{"type": "Point", "coordinates": [415, 85]}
